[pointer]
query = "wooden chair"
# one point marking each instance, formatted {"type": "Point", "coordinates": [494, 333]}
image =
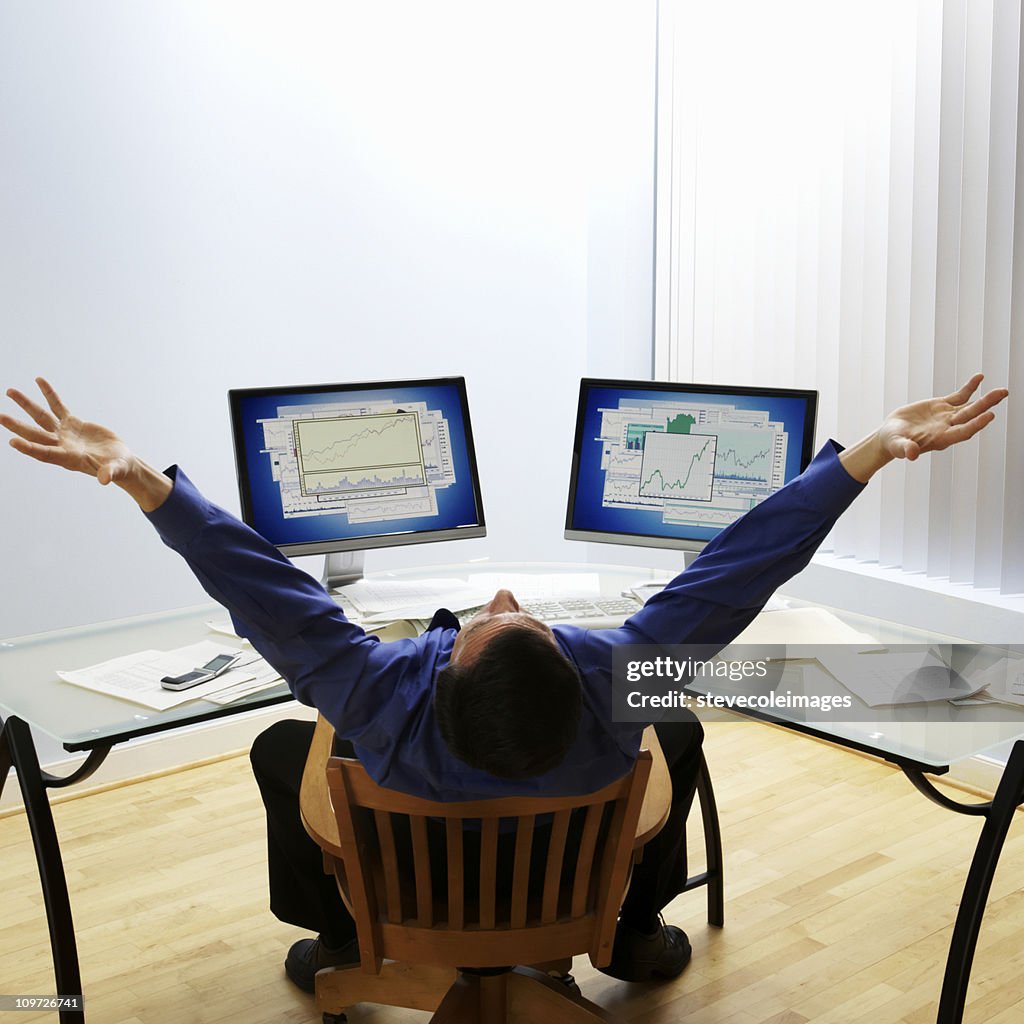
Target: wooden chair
{"type": "Point", "coordinates": [383, 868]}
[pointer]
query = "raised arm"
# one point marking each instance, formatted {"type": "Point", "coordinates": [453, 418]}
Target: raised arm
{"type": "Point", "coordinates": [329, 662]}
{"type": "Point", "coordinates": [720, 593]}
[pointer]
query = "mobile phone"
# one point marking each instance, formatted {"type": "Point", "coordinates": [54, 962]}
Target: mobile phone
{"type": "Point", "coordinates": [213, 668]}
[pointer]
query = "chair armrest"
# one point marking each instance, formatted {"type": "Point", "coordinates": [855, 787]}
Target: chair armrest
{"type": "Point", "coordinates": [314, 797]}
{"type": "Point", "coordinates": [658, 795]}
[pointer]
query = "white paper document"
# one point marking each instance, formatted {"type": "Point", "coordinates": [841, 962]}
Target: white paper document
{"type": "Point", "coordinates": [891, 678]}
{"type": "Point", "coordinates": [1002, 683]}
{"type": "Point", "coordinates": [800, 628]}
{"type": "Point", "coordinates": [136, 677]}
{"type": "Point", "coordinates": [263, 677]}
{"type": "Point", "coordinates": [410, 599]}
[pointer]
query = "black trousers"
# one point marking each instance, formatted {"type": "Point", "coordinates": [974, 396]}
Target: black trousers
{"type": "Point", "coordinates": [301, 894]}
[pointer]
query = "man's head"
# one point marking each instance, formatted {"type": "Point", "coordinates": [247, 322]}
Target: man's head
{"type": "Point", "coordinates": [509, 701]}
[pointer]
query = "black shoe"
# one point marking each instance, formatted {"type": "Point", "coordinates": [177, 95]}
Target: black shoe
{"type": "Point", "coordinates": [638, 957]}
{"type": "Point", "coordinates": [307, 956]}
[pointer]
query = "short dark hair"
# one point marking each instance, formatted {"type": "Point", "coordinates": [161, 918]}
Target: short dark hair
{"type": "Point", "coordinates": [514, 711]}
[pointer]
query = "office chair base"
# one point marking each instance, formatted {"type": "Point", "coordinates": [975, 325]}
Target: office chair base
{"type": "Point", "coordinates": [527, 994]}
{"type": "Point", "coordinates": [519, 996]}
{"type": "Point", "coordinates": [568, 981]}
{"type": "Point", "coordinates": [415, 986]}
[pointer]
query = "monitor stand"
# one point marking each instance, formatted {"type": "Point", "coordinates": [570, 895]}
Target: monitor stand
{"type": "Point", "coordinates": [341, 567]}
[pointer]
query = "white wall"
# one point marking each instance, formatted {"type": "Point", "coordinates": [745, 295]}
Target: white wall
{"type": "Point", "coordinates": [198, 196]}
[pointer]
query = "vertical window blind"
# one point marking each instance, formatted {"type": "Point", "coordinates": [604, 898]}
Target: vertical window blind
{"type": "Point", "coordinates": [840, 205]}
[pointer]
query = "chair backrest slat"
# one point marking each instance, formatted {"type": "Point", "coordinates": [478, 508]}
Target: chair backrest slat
{"type": "Point", "coordinates": [363, 893]}
{"type": "Point", "coordinates": [488, 871]}
{"type": "Point", "coordinates": [585, 859]}
{"type": "Point", "coordinates": [389, 864]}
{"type": "Point", "coordinates": [456, 875]}
{"type": "Point", "coordinates": [553, 869]}
{"type": "Point", "coordinates": [521, 870]}
{"type": "Point", "coordinates": [421, 864]}
{"type": "Point", "coordinates": [614, 869]}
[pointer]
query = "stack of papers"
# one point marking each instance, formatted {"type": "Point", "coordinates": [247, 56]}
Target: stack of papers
{"type": "Point", "coordinates": [1001, 683]}
{"type": "Point", "coordinates": [891, 678]}
{"type": "Point", "coordinates": [136, 677]}
{"type": "Point", "coordinates": [379, 600]}
{"type": "Point", "coordinates": [896, 678]}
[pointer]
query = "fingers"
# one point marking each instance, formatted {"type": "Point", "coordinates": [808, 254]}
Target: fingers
{"type": "Point", "coordinates": [961, 396]}
{"type": "Point", "coordinates": [954, 435]}
{"type": "Point", "coordinates": [37, 412]}
{"type": "Point", "coordinates": [52, 398]}
{"type": "Point", "coordinates": [41, 452]}
{"type": "Point", "coordinates": [980, 405]}
{"type": "Point", "coordinates": [27, 431]}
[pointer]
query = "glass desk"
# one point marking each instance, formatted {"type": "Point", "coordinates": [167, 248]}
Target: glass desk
{"type": "Point", "coordinates": [931, 740]}
{"type": "Point", "coordinates": [922, 740]}
{"type": "Point", "coordinates": [82, 720]}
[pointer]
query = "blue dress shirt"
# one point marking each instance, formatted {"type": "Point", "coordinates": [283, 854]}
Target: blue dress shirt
{"type": "Point", "coordinates": [379, 694]}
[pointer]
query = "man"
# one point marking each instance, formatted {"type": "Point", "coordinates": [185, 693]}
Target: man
{"type": "Point", "coordinates": [507, 705]}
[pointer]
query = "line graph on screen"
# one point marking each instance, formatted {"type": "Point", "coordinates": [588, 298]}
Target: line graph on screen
{"type": "Point", "coordinates": [678, 466]}
{"type": "Point", "coordinates": [359, 452]}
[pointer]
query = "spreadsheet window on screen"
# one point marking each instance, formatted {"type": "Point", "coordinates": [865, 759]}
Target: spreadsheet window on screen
{"type": "Point", "coordinates": [356, 465]}
{"type": "Point", "coordinates": [675, 464]}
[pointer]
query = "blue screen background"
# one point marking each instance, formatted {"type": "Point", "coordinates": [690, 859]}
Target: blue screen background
{"type": "Point", "coordinates": [588, 512]}
{"type": "Point", "coordinates": [456, 504]}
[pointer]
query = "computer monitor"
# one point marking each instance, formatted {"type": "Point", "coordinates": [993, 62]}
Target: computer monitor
{"type": "Point", "coordinates": [670, 465]}
{"type": "Point", "coordinates": [340, 468]}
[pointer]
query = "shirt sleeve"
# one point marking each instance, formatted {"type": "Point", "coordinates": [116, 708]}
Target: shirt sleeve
{"type": "Point", "coordinates": [327, 661]}
{"type": "Point", "coordinates": [714, 600]}
{"type": "Point", "coordinates": [738, 571]}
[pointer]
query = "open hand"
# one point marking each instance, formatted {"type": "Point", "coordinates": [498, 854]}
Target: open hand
{"type": "Point", "coordinates": [65, 440]}
{"type": "Point", "coordinates": [936, 423]}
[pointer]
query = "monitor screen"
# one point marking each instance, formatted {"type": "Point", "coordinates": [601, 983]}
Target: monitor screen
{"type": "Point", "coordinates": [670, 465]}
{"type": "Point", "coordinates": [347, 467]}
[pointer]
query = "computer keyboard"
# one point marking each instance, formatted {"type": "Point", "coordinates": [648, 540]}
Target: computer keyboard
{"type": "Point", "coordinates": [588, 612]}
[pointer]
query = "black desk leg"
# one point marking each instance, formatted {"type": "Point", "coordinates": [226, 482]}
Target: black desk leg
{"type": "Point", "coordinates": [998, 816]}
{"type": "Point", "coordinates": [713, 876]}
{"type": "Point", "coordinates": [17, 749]}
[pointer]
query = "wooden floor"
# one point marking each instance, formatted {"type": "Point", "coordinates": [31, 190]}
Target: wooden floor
{"type": "Point", "coordinates": [842, 886]}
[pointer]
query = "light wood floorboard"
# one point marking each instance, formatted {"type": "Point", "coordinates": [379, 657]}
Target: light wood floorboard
{"type": "Point", "coordinates": [842, 885]}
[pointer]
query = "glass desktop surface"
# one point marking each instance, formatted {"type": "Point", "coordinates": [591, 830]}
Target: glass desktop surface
{"type": "Point", "coordinates": [80, 718]}
{"type": "Point", "coordinates": [900, 735]}
{"type": "Point", "coordinates": [897, 733]}
{"type": "Point", "coordinates": [970, 730]}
